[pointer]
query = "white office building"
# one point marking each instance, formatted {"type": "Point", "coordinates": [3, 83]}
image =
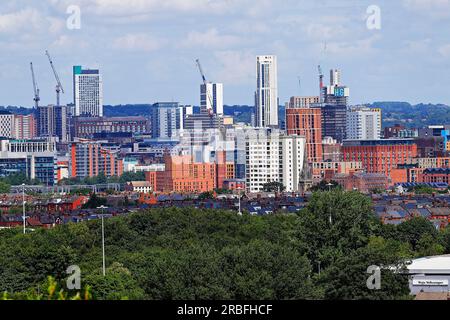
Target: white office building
{"type": "Point", "coordinates": [88, 92]}
{"type": "Point", "coordinates": [6, 124]}
{"type": "Point", "coordinates": [211, 98]}
{"type": "Point", "coordinates": [266, 95]}
{"type": "Point", "coordinates": [363, 123]}
{"type": "Point", "coordinates": [273, 157]}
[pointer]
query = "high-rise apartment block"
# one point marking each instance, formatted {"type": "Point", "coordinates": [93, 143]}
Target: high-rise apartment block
{"type": "Point", "coordinates": [334, 121]}
{"type": "Point", "coordinates": [363, 123]}
{"type": "Point", "coordinates": [6, 124]}
{"type": "Point", "coordinates": [307, 122]}
{"type": "Point", "coordinates": [25, 126]}
{"type": "Point", "coordinates": [273, 157]}
{"type": "Point", "coordinates": [88, 92]}
{"type": "Point", "coordinates": [211, 98]}
{"type": "Point", "coordinates": [17, 126]}
{"type": "Point", "coordinates": [266, 96]}
{"type": "Point", "coordinates": [52, 121]}
{"type": "Point", "coordinates": [167, 120]}
{"type": "Point", "coordinates": [89, 159]}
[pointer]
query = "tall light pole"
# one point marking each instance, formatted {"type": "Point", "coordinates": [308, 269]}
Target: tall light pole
{"type": "Point", "coordinates": [329, 190]}
{"type": "Point", "coordinates": [103, 238]}
{"type": "Point", "coordinates": [23, 208]}
{"type": "Point", "coordinates": [239, 196]}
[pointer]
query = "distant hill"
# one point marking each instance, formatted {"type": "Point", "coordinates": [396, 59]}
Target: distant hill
{"type": "Point", "coordinates": [17, 110]}
{"type": "Point", "coordinates": [413, 116]}
{"type": "Point", "coordinates": [404, 113]}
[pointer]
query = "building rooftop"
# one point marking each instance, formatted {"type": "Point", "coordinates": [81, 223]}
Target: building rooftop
{"type": "Point", "coordinates": [430, 265]}
{"type": "Point", "coordinates": [381, 142]}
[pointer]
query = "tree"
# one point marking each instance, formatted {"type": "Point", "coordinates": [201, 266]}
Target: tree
{"type": "Point", "coordinates": [273, 187]}
{"type": "Point", "coordinates": [414, 229]}
{"type": "Point", "coordinates": [5, 187]}
{"type": "Point", "coordinates": [335, 223]}
{"type": "Point", "coordinates": [206, 195]}
{"type": "Point", "coordinates": [94, 202]}
{"type": "Point", "coordinates": [323, 186]}
{"type": "Point", "coordinates": [118, 284]}
{"type": "Point", "coordinates": [347, 278]}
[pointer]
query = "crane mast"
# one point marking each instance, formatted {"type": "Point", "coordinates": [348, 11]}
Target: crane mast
{"type": "Point", "coordinates": [205, 83]}
{"type": "Point", "coordinates": [35, 87]}
{"type": "Point", "coordinates": [59, 87]}
{"type": "Point", "coordinates": [320, 84]}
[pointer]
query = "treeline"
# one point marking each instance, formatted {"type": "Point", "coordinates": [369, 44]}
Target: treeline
{"type": "Point", "coordinates": [102, 179]}
{"type": "Point", "coordinates": [322, 252]}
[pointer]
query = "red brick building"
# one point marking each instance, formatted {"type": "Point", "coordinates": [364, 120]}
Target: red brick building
{"type": "Point", "coordinates": [362, 182]}
{"type": "Point", "coordinates": [434, 175]}
{"type": "Point", "coordinates": [307, 122]}
{"type": "Point", "coordinates": [183, 175]}
{"type": "Point", "coordinates": [380, 156]}
{"type": "Point", "coordinates": [89, 159]}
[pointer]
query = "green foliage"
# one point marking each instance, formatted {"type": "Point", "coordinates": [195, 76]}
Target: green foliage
{"type": "Point", "coordinates": [4, 187]}
{"type": "Point", "coordinates": [206, 195]}
{"type": "Point", "coordinates": [94, 202]}
{"type": "Point", "coordinates": [212, 254]}
{"type": "Point", "coordinates": [323, 186]}
{"type": "Point", "coordinates": [17, 179]}
{"type": "Point", "coordinates": [422, 189]}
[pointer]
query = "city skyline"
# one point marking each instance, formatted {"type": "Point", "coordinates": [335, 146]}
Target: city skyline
{"type": "Point", "coordinates": [155, 57]}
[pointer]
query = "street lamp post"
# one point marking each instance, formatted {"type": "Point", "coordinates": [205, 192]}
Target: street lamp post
{"type": "Point", "coordinates": [103, 239]}
{"type": "Point", "coordinates": [329, 190]}
{"type": "Point", "coordinates": [23, 208]}
{"type": "Point", "coordinates": [239, 196]}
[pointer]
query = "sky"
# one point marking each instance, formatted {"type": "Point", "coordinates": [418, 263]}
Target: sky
{"type": "Point", "coordinates": [146, 49]}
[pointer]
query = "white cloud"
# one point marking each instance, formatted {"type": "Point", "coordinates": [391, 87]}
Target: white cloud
{"type": "Point", "coordinates": [355, 48]}
{"type": "Point", "coordinates": [445, 51]}
{"type": "Point", "coordinates": [432, 8]}
{"type": "Point", "coordinates": [138, 42]}
{"type": "Point", "coordinates": [28, 18]}
{"type": "Point", "coordinates": [236, 67]}
{"type": "Point", "coordinates": [210, 39]}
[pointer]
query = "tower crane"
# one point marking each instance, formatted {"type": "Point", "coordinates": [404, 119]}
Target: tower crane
{"type": "Point", "coordinates": [59, 87]}
{"type": "Point", "coordinates": [206, 85]}
{"type": "Point", "coordinates": [320, 83]}
{"type": "Point", "coordinates": [35, 87]}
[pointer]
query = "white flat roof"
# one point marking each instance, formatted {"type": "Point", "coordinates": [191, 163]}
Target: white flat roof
{"type": "Point", "coordinates": [430, 265]}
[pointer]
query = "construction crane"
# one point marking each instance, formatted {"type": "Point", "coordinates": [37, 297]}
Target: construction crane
{"type": "Point", "coordinates": [35, 87]}
{"type": "Point", "coordinates": [59, 87]}
{"type": "Point", "coordinates": [320, 83]}
{"type": "Point", "coordinates": [206, 85]}
{"type": "Point", "coordinates": [299, 85]}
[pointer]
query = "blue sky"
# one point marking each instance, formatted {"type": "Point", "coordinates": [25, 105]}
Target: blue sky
{"type": "Point", "coordinates": [146, 49]}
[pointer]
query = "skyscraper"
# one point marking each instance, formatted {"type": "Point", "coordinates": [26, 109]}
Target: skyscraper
{"type": "Point", "coordinates": [334, 121]}
{"type": "Point", "coordinates": [52, 121]}
{"type": "Point", "coordinates": [88, 92]}
{"type": "Point", "coordinates": [334, 108]}
{"type": "Point", "coordinates": [211, 98]}
{"type": "Point", "coordinates": [335, 77]}
{"type": "Point", "coordinates": [266, 95]}
{"type": "Point", "coordinates": [307, 122]}
{"type": "Point", "coordinates": [363, 123]}
{"type": "Point", "coordinates": [167, 120]}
